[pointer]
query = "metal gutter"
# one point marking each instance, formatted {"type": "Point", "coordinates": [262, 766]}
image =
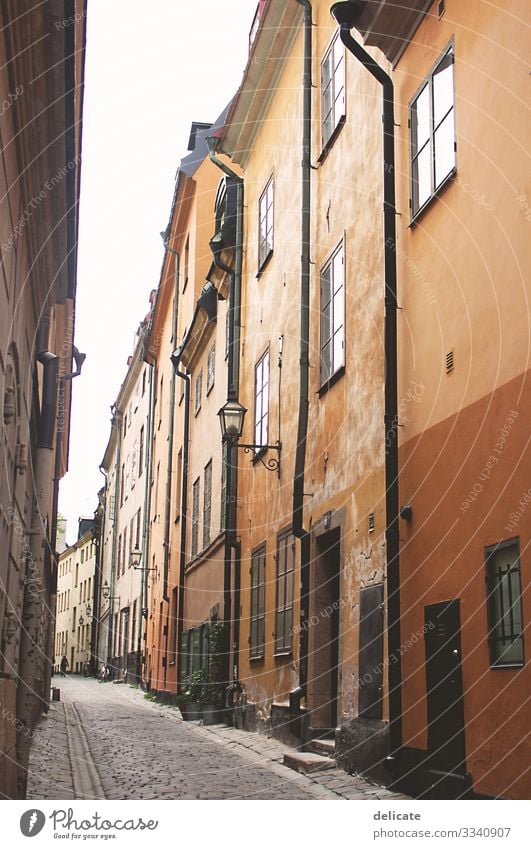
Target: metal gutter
{"type": "Point", "coordinates": [345, 14]}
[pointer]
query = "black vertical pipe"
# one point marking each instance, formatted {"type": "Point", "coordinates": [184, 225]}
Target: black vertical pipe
{"type": "Point", "coordinates": [184, 513]}
{"type": "Point", "coordinates": [304, 362]}
{"type": "Point", "coordinates": [345, 15]}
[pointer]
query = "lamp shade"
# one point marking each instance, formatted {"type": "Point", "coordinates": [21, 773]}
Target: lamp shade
{"type": "Point", "coordinates": [135, 557]}
{"type": "Point", "coordinates": [231, 417]}
{"type": "Point", "coordinates": [105, 590]}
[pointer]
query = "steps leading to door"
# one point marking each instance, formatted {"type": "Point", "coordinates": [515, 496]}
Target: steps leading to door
{"type": "Point", "coordinates": [323, 747]}
{"type": "Point", "coordinates": [308, 762]}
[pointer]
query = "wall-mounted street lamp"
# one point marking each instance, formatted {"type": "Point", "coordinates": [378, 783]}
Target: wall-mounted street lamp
{"type": "Point", "coordinates": [135, 558]}
{"type": "Point", "coordinates": [106, 593]}
{"type": "Point", "coordinates": [231, 417]}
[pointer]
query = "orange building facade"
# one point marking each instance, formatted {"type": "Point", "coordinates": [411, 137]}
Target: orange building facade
{"type": "Point", "coordinates": [366, 304]}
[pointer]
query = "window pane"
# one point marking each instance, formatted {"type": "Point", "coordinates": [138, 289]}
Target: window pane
{"type": "Point", "coordinates": [444, 149]}
{"type": "Point", "coordinates": [325, 362]}
{"type": "Point", "coordinates": [339, 310]}
{"type": "Point", "coordinates": [337, 270]}
{"type": "Point", "coordinates": [421, 178]}
{"type": "Point", "coordinates": [443, 88]}
{"type": "Point", "coordinates": [420, 119]}
{"type": "Point", "coordinates": [338, 350]}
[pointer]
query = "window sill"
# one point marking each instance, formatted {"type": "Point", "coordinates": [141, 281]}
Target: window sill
{"type": "Point", "coordinates": [209, 390]}
{"type": "Point", "coordinates": [330, 143]}
{"type": "Point", "coordinates": [515, 665]}
{"type": "Point", "coordinates": [330, 382]}
{"type": "Point", "coordinates": [427, 204]}
{"type": "Point", "coordinates": [282, 655]}
{"type": "Point", "coordinates": [257, 659]}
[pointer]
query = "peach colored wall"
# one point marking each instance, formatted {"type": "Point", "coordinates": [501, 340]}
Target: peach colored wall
{"type": "Point", "coordinates": [462, 286]}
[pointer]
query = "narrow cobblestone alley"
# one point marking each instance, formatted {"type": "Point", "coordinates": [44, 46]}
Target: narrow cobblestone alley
{"type": "Point", "coordinates": [108, 741]}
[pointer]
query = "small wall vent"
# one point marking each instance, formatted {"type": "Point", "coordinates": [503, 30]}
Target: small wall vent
{"type": "Point", "coordinates": [371, 522]}
{"type": "Point", "coordinates": [449, 361]}
{"type": "Point", "coordinates": [442, 8]}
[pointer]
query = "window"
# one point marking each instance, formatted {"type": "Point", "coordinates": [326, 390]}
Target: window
{"type": "Point", "coordinates": [284, 605]}
{"type": "Point", "coordinates": [227, 332]}
{"type": "Point", "coordinates": [138, 523]}
{"type": "Point", "coordinates": [143, 383]}
{"type": "Point", "coordinates": [224, 461]}
{"type": "Point", "coordinates": [504, 604]}
{"type": "Point", "coordinates": [178, 484]}
{"type": "Point", "coordinates": [198, 392]}
{"type": "Point", "coordinates": [332, 316]}
{"type": "Point", "coordinates": [141, 452]}
{"type": "Point", "coordinates": [432, 133]}
{"type": "Point", "coordinates": [124, 555]}
{"type": "Point", "coordinates": [82, 555]}
{"type": "Point", "coordinates": [207, 504]}
{"type": "Point", "coordinates": [131, 539]}
{"type": "Point", "coordinates": [211, 368]}
{"type": "Point", "coordinates": [133, 628]}
{"type": "Point", "coordinates": [261, 400]}
{"type": "Point", "coordinates": [332, 89]}
{"type": "Point", "coordinates": [186, 262]}
{"type": "Point", "coordinates": [257, 638]}
{"type": "Point", "coordinates": [265, 224]}
{"type": "Point", "coordinates": [195, 517]}
{"type": "Point", "coordinates": [122, 485]}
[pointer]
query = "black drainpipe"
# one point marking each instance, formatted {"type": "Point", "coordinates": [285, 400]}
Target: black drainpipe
{"type": "Point", "coordinates": [233, 389]}
{"type": "Point", "coordinates": [175, 358]}
{"type": "Point", "coordinates": [345, 14]}
{"type": "Point", "coordinates": [302, 429]}
{"type": "Point", "coordinates": [170, 436]}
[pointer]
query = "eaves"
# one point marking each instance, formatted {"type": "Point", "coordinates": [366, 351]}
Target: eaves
{"type": "Point", "coordinates": [270, 51]}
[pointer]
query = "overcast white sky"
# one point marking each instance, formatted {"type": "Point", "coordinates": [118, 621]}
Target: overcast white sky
{"type": "Point", "coordinates": [149, 74]}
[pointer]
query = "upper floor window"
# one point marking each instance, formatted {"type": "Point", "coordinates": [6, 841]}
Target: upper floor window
{"type": "Point", "coordinates": [332, 89]}
{"type": "Point", "coordinates": [186, 264]}
{"type": "Point", "coordinates": [432, 133]}
{"type": "Point", "coordinates": [333, 315]}
{"type": "Point", "coordinates": [504, 604]}
{"type": "Point", "coordinates": [211, 369]}
{"type": "Point", "coordinates": [261, 400]}
{"type": "Point", "coordinates": [198, 392]}
{"type": "Point", "coordinates": [195, 517]}
{"type": "Point", "coordinates": [265, 223]}
{"type": "Point", "coordinates": [207, 504]}
{"type": "Point", "coordinates": [141, 452]}
{"type": "Point", "coordinates": [257, 638]}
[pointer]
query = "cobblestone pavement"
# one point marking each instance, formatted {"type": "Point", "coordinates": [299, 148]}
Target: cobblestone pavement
{"type": "Point", "coordinates": [108, 741]}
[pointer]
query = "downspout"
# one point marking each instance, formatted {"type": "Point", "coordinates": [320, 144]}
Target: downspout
{"type": "Point", "coordinates": [171, 435]}
{"type": "Point", "coordinates": [147, 516]}
{"type": "Point", "coordinates": [184, 511]}
{"type": "Point", "coordinates": [302, 428]}
{"type": "Point", "coordinates": [345, 14]}
{"type": "Point", "coordinates": [117, 425]}
{"type": "Point", "coordinates": [233, 388]}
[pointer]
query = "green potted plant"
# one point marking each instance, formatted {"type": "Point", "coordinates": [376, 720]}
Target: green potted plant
{"type": "Point", "coordinates": [188, 700]}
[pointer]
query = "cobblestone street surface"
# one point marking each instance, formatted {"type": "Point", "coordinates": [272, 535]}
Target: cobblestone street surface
{"type": "Point", "coordinates": [106, 741]}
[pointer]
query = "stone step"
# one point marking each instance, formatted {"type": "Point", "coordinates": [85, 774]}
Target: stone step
{"type": "Point", "coordinates": [323, 747]}
{"type": "Point", "coordinates": [308, 762]}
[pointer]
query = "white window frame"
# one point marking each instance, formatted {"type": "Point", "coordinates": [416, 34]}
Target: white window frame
{"type": "Point", "coordinates": [211, 369]}
{"type": "Point", "coordinates": [333, 80]}
{"type": "Point", "coordinates": [261, 400]}
{"type": "Point", "coordinates": [427, 148]}
{"type": "Point", "coordinates": [198, 392]}
{"type": "Point", "coordinates": [266, 214]}
{"type": "Point", "coordinates": [332, 330]}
